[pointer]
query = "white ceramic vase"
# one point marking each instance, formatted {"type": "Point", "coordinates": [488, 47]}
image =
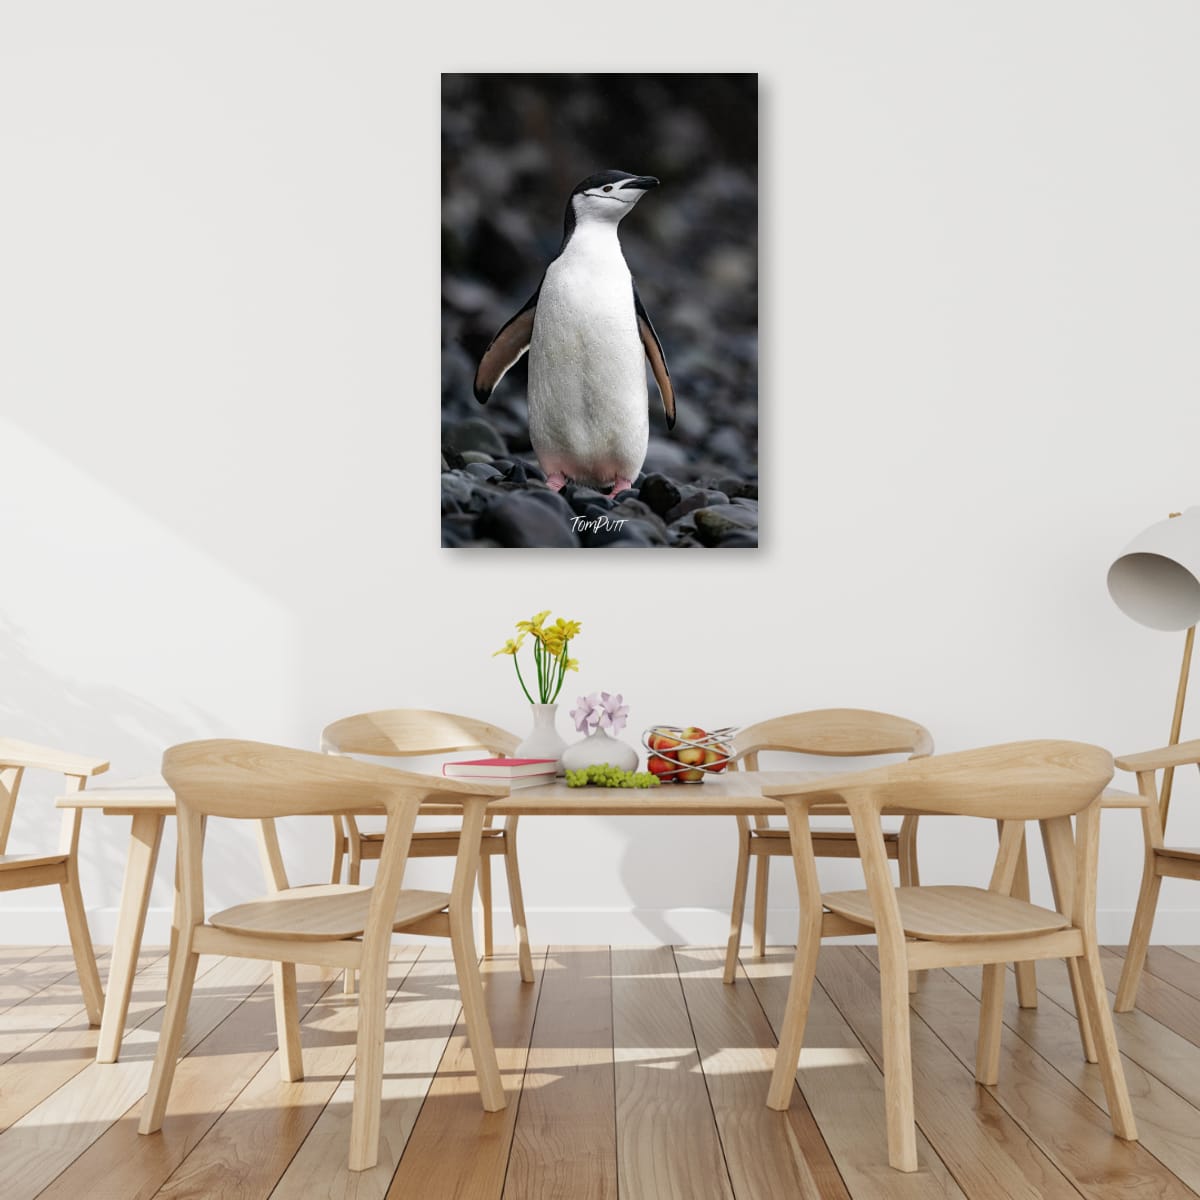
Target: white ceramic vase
{"type": "Point", "coordinates": [596, 748]}
{"type": "Point", "coordinates": [543, 740]}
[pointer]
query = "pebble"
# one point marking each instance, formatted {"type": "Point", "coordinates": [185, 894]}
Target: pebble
{"type": "Point", "coordinates": [473, 434]}
{"type": "Point", "coordinates": [482, 471]}
{"type": "Point", "coordinates": [735, 488]}
{"type": "Point", "coordinates": [660, 493]}
{"type": "Point", "coordinates": [666, 458]}
{"type": "Point", "coordinates": [715, 525]}
{"type": "Point", "coordinates": [529, 518]}
{"type": "Point", "coordinates": [693, 498]}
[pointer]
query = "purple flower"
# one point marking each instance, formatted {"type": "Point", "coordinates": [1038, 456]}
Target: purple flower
{"type": "Point", "coordinates": [613, 712]}
{"type": "Point", "coordinates": [585, 713]}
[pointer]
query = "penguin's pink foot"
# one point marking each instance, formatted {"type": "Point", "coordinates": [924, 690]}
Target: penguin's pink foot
{"type": "Point", "coordinates": [621, 485]}
{"type": "Point", "coordinates": [556, 481]}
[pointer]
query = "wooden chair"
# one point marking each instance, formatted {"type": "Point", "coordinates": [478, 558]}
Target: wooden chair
{"type": "Point", "coordinates": [411, 732]}
{"type": "Point", "coordinates": [62, 867]}
{"type": "Point", "coordinates": [1046, 781]}
{"type": "Point", "coordinates": [825, 732]}
{"type": "Point", "coordinates": [333, 925]}
{"type": "Point", "coordinates": [1161, 861]}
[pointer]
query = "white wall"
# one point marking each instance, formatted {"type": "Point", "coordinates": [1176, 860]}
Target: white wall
{"type": "Point", "coordinates": [219, 404]}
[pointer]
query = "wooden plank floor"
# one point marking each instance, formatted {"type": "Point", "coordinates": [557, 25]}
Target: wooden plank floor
{"type": "Point", "coordinates": [631, 1073]}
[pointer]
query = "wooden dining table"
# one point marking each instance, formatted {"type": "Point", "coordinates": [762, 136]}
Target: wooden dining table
{"type": "Point", "coordinates": [735, 793]}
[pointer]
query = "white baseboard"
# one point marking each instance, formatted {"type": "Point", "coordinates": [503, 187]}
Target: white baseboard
{"type": "Point", "coordinates": [580, 926]}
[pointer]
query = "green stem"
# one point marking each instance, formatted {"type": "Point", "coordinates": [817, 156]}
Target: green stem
{"type": "Point", "coordinates": [562, 670]}
{"type": "Point", "coordinates": [521, 681]}
{"type": "Point", "coordinates": [541, 673]}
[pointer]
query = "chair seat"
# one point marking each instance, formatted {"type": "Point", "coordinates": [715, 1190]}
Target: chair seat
{"type": "Point", "coordinates": [826, 835]}
{"type": "Point", "coordinates": [10, 862]}
{"type": "Point", "coordinates": [322, 913]}
{"type": "Point", "coordinates": [1190, 855]}
{"type": "Point", "coordinates": [953, 914]}
{"type": "Point", "coordinates": [425, 834]}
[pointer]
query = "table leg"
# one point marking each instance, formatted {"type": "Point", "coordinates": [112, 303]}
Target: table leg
{"type": "Point", "coordinates": [144, 841]}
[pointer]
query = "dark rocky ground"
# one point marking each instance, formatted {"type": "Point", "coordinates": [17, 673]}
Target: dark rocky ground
{"type": "Point", "coordinates": [512, 149]}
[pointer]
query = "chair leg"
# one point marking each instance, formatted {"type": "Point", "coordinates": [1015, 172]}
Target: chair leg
{"type": "Point", "coordinates": [1060, 858]}
{"type": "Point", "coordinates": [516, 901]}
{"type": "Point", "coordinates": [897, 1061]}
{"type": "Point", "coordinates": [479, 1031]}
{"type": "Point", "coordinates": [795, 1016]}
{"type": "Point", "coordinates": [354, 874]}
{"type": "Point", "coordinates": [485, 902]}
{"type": "Point", "coordinates": [1111, 1071]}
{"type": "Point", "coordinates": [368, 1066]}
{"type": "Point", "coordinates": [81, 945]}
{"type": "Point", "coordinates": [179, 994]}
{"type": "Point", "coordinates": [991, 1021]}
{"type": "Point", "coordinates": [287, 1022]}
{"type": "Point", "coordinates": [1027, 993]}
{"type": "Point", "coordinates": [737, 909]}
{"type": "Point", "coordinates": [1139, 938]}
{"type": "Point", "coordinates": [910, 876]}
{"type": "Point", "coordinates": [339, 851]}
{"type": "Point", "coordinates": [762, 879]}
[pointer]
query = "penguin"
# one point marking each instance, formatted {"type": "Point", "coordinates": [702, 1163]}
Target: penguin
{"type": "Point", "coordinates": [588, 336]}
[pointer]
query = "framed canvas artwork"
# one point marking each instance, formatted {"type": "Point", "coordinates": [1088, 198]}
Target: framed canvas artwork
{"type": "Point", "coordinates": [599, 311]}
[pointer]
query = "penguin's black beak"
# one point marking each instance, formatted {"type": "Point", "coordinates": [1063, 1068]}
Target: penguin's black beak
{"type": "Point", "coordinates": [641, 183]}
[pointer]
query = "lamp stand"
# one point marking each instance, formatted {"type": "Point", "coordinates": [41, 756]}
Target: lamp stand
{"type": "Point", "coordinates": [1185, 669]}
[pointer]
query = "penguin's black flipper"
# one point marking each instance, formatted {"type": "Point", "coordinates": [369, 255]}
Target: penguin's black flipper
{"type": "Point", "coordinates": [505, 349]}
{"type": "Point", "coordinates": [658, 360]}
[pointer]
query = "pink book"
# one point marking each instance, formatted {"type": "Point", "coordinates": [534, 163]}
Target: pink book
{"type": "Point", "coordinates": [500, 768]}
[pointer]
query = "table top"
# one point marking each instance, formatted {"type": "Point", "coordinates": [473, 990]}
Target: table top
{"type": "Point", "coordinates": [735, 793]}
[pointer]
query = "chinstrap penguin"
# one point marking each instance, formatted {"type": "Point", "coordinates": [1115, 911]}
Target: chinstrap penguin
{"type": "Point", "coordinates": [588, 337]}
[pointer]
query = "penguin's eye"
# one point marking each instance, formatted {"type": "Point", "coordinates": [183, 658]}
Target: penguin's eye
{"type": "Point", "coordinates": [608, 187]}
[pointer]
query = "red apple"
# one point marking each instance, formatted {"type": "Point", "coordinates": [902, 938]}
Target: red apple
{"type": "Point", "coordinates": [692, 775]}
{"type": "Point", "coordinates": [692, 756]}
{"type": "Point", "coordinates": [660, 739]}
{"type": "Point", "coordinates": [717, 758]}
{"type": "Point", "coordinates": [666, 770]}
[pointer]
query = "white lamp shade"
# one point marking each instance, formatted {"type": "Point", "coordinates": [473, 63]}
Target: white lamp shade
{"type": "Point", "coordinates": [1156, 578]}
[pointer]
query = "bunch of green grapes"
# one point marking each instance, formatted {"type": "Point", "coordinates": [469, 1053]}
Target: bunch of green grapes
{"type": "Point", "coordinates": [606, 775]}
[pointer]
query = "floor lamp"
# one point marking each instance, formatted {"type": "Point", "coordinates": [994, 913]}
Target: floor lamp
{"type": "Point", "coordinates": [1156, 581]}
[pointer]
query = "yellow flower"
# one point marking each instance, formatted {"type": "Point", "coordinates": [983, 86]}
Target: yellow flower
{"type": "Point", "coordinates": [572, 664]}
{"type": "Point", "coordinates": [566, 629]}
{"type": "Point", "coordinates": [552, 640]}
{"type": "Point", "coordinates": [534, 625]}
{"type": "Point", "coordinates": [511, 646]}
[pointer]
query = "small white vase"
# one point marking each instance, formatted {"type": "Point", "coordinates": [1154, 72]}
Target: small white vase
{"type": "Point", "coordinates": [596, 748]}
{"type": "Point", "coordinates": [543, 740]}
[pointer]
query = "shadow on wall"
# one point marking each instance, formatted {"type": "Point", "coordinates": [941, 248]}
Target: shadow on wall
{"type": "Point", "coordinates": [88, 718]}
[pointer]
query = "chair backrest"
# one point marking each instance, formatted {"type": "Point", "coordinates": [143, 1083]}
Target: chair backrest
{"type": "Point", "coordinates": [404, 732]}
{"type": "Point", "coordinates": [834, 732]}
{"type": "Point", "coordinates": [256, 781]}
{"type": "Point", "coordinates": [1016, 781]}
{"type": "Point", "coordinates": [16, 756]}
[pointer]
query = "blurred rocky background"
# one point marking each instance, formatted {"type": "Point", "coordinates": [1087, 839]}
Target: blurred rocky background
{"type": "Point", "coordinates": [513, 147]}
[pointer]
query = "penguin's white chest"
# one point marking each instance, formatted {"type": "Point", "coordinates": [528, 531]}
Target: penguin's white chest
{"type": "Point", "coordinates": [587, 374]}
